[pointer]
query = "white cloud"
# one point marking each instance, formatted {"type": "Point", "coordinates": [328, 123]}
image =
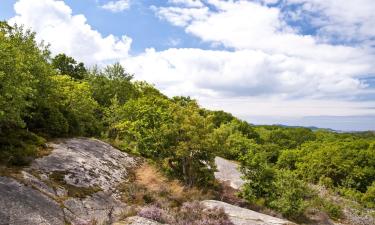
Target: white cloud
{"type": "Point", "coordinates": [189, 3]}
{"type": "Point", "coordinates": [181, 16]}
{"type": "Point", "coordinates": [269, 57]}
{"type": "Point", "coordinates": [71, 34]}
{"type": "Point", "coordinates": [345, 19]}
{"type": "Point", "coordinates": [117, 6]}
{"type": "Point", "coordinates": [204, 73]}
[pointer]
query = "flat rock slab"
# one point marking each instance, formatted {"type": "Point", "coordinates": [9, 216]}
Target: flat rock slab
{"type": "Point", "coordinates": [136, 220]}
{"type": "Point", "coordinates": [228, 172]}
{"type": "Point", "coordinates": [86, 163]}
{"type": "Point", "coordinates": [21, 205]}
{"type": "Point", "coordinates": [101, 207]}
{"type": "Point", "coordinates": [241, 216]}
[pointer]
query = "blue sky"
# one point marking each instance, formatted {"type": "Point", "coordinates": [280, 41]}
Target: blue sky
{"type": "Point", "coordinates": [294, 62]}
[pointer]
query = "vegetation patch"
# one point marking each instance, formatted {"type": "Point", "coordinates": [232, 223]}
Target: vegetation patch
{"type": "Point", "coordinates": [58, 180]}
{"type": "Point", "coordinates": [147, 185]}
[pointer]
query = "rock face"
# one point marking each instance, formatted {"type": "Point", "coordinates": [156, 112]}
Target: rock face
{"type": "Point", "coordinates": [20, 205]}
{"type": "Point", "coordinates": [241, 216]}
{"type": "Point", "coordinates": [86, 163]}
{"type": "Point", "coordinates": [228, 172]}
{"type": "Point", "coordinates": [76, 183]}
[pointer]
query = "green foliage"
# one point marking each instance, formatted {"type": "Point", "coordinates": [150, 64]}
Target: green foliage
{"type": "Point", "coordinates": [18, 146]}
{"type": "Point", "coordinates": [66, 65]}
{"type": "Point", "coordinates": [111, 82]}
{"type": "Point", "coordinates": [348, 163]}
{"type": "Point", "coordinates": [191, 155]}
{"type": "Point", "coordinates": [368, 198]}
{"type": "Point", "coordinates": [259, 176]}
{"type": "Point", "coordinates": [23, 65]}
{"type": "Point", "coordinates": [77, 105]}
{"type": "Point", "coordinates": [290, 194]}
{"type": "Point", "coordinates": [332, 209]}
{"type": "Point", "coordinates": [172, 132]}
{"type": "Point", "coordinates": [33, 98]}
{"type": "Point", "coordinates": [221, 117]}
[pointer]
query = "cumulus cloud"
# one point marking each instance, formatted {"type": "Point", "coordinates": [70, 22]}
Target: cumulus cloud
{"type": "Point", "coordinates": [343, 19]}
{"type": "Point", "coordinates": [244, 73]}
{"type": "Point", "coordinates": [54, 23]}
{"type": "Point", "coordinates": [117, 6]}
{"type": "Point", "coordinates": [268, 57]}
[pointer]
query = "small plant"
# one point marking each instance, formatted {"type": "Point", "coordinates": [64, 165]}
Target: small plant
{"type": "Point", "coordinates": [153, 212]}
{"type": "Point", "coordinates": [190, 213]}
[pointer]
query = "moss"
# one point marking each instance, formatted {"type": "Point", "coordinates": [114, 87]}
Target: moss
{"type": "Point", "coordinates": [58, 178]}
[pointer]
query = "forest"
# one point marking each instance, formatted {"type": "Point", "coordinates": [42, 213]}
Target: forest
{"type": "Point", "coordinates": [43, 97]}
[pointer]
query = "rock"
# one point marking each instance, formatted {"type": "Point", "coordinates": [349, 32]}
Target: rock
{"type": "Point", "coordinates": [228, 172]}
{"type": "Point", "coordinates": [100, 207]}
{"type": "Point", "coordinates": [20, 205]}
{"type": "Point", "coordinates": [241, 216]}
{"type": "Point", "coordinates": [136, 220]}
{"type": "Point", "coordinates": [86, 163]}
{"type": "Point", "coordinates": [76, 183]}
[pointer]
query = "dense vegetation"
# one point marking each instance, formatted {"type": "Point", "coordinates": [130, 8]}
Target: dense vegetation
{"type": "Point", "coordinates": [43, 97]}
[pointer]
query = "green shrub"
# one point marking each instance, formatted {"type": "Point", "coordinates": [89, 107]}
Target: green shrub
{"type": "Point", "coordinates": [290, 194]}
{"type": "Point", "coordinates": [368, 198]}
{"type": "Point", "coordinates": [19, 147]}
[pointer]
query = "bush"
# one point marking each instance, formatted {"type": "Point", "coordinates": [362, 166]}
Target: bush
{"type": "Point", "coordinates": [153, 212]}
{"type": "Point", "coordinates": [19, 147]}
{"type": "Point", "coordinates": [190, 213]}
{"type": "Point", "coordinates": [290, 194]}
{"type": "Point", "coordinates": [195, 213]}
{"type": "Point", "coordinates": [368, 198]}
{"type": "Point", "coordinates": [333, 210]}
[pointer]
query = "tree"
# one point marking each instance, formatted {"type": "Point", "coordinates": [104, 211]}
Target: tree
{"type": "Point", "coordinates": [112, 82]}
{"type": "Point", "coordinates": [77, 105]}
{"type": "Point", "coordinates": [66, 65]}
{"type": "Point", "coordinates": [23, 71]}
{"type": "Point", "coordinates": [191, 156]}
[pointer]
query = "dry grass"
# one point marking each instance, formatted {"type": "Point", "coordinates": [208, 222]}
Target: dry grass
{"type": "Point", "coordinates": [154, 181]}
{"type": "Point", "coordinates": [149, 186]}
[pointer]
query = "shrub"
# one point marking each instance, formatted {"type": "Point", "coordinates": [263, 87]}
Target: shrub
{"type": "Point", "coordinates": [368, 198]}
{"type": "Point", "coordinates": [153, 212]}
{"type": "Point", "coordinates": [190, 213]}
{"type": "Point", "coordinates": [195, 213]}
{"type": "Point", "coordinates": [290, 194]}
{"type": "Point", "coordinates": [19, 147]}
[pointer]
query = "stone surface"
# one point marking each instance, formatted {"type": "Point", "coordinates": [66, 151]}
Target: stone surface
{"type": "Point", "coordinates": [100, 207]}
{"type": "Point", "coordinates": [42, 195]}
{"type": "Point", "coordinates": [241, 216]}
{"type": "Point", "coordinates": [21, 205]}
{"type": "Point", "coordinates": [227, 171]}
{"type": "Point", "coordinates": [86, 163]}
{"type": "Point", "coordinates": [136, 220]}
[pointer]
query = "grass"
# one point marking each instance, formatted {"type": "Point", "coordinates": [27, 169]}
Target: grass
{"type": "Point", "coordinates": [147, 185]}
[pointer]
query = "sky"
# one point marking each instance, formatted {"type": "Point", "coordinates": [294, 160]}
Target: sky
{"type": "Point", "coordinates": [291, 62]}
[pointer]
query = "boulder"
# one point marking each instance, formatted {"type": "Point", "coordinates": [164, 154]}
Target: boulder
{"type": "Point", "coordinates": [241, 216]}
{"type": "Point", "coordinates": [228, 172]}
